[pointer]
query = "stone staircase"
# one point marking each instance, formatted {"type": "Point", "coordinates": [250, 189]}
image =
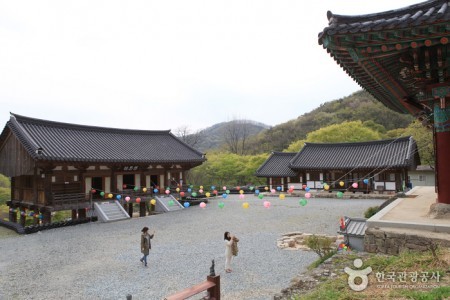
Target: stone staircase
{"type": "Point", "coordinates": [109, 211]}
{"type": "Point", "coordinates": [162, 203]}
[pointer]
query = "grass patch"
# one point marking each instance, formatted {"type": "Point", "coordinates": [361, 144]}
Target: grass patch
{"type": "Point", "coordinates": [320, 260]}
{"type": "Point", "coordinates": [409, 262]}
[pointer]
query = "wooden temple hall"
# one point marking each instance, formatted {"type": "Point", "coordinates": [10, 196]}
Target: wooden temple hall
{"type": "Point", "coordinates": [402, 58]}
{"type": "Point", "coordinates": [54, 166]}
{"type": "Point", "coordinates": [375, 166]}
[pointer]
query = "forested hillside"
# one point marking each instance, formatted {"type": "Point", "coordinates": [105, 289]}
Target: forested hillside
{"type": "Point", "coordinates": [358, 106]}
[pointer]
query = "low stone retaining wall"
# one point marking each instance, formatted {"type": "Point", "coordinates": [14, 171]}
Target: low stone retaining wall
{"type": "Point", "coordinates": [379, 240]}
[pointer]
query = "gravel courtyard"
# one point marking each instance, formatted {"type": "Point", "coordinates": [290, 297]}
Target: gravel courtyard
{"type": "Point", "coordinates": [101, 260]}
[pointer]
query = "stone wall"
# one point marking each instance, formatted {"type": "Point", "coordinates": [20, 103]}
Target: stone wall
{"type": "Point", "coordinates": [380, 240]}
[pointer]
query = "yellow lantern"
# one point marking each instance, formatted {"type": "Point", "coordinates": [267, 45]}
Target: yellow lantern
{"type": "Point", "coordinates": [245, 205]}
{"type": "Point", "coordinates": [341, 183]}
{"type": "Point", "coordinates": [110, 196]}
{"type": "Point", "coordinates": [144, 189]}
{"type": "Point", "coordinates": [153, 202]}
{"type": "Point", "coordinates": [201, 187]}
{"type": "Point", "coordinates": [326, 187]}
{"type": "Point", "coordinates": [266, 188]}
{"type": "Point", "coordinates": [178, 190]}
{"type": "Point", "coordinates": [282, 196]}
{"type": "Point", "coordinates": [208, 194]}
{"type": "Point", "coordinates": [241, 191]}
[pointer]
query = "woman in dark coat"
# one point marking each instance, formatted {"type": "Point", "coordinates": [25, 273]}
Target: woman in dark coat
{"type": "Point", "coordinates": [146, 244]}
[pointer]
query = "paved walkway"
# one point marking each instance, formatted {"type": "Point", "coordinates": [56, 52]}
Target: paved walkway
{"type": "Point", "coordinates": [410, 213]}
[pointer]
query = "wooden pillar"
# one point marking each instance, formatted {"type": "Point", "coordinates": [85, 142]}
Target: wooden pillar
{"type": "Point", "coordinates": [13, 214]}
{"type": "Point", "coordinates": [47, 217]}
{"type": "Point", "coordinates": [23, 217]}
{"type": "Point", "coordinates": [142, 209]}
{"type": "Point", "coordinates": [35, 219]}
{"type": "Point", "coordinates": [74, 214]}
{"type": "Point", "coordinates": [130, 209]}
{"type": "Point", "coordinates": [82, 213]}
{"type": "Point", "coordinates": [443, 167]}
{"type": "Point", "coordinates": [442, 146]}
{"type": "Point", "coordinates": [214, 292]}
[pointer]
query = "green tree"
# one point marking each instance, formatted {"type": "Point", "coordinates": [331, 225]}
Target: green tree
{"type": "Point", "coordinates": [353, 131]}
{"type": "Point", "coordinates": [423, 137]}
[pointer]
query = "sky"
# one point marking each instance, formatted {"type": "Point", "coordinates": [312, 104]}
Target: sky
{"type": "Point", "coordinates": [168, 64]}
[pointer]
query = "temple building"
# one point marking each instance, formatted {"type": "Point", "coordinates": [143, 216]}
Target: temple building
{"type": "Point", "coordinates": [380, 166]}
{"type": "Point", "coordinates": [56, 166]}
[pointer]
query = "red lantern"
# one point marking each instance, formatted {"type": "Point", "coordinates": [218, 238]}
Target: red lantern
{"type": "Point", "coordinates": [124, 186]}
{"type": "Point", "coordinates": [238, 188]}
{"type": "Point", "coordinates": [304, 186]}
{"type": "Point", "coordinates": [138, 200]}
{"type": "Point", "coordinates": [182, 194]}
{"type": "Point", "coordinates": [93, 191]}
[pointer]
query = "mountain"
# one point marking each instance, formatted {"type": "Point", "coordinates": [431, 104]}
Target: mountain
{"type": "Point", "coordinates": [214, 137]}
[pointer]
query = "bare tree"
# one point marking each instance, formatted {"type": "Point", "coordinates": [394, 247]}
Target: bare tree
{"type": "Point", "coordinates": [236, 134]}
{"type": "Point", "coordinates": [184, 133]}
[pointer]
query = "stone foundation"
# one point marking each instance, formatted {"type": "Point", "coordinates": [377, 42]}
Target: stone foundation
{"type": "Point", "coordinates": [388, 241]}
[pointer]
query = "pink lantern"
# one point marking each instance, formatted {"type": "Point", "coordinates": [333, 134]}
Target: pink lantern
{"type": "Point", "coordinates": [355, 185]}
{"type": "Point", "coordinates": [138, 200]}
{"type": "Point", "coordinates": [224, 188]}
{"type": "Point", "coordinates": [266, 204]}
{"type": "Point", "coordinates": [200, 191]}
{"type": "Point", "coordinates": [272, 191]}
{"type": "Point", "coordinates": [241, 196]}
{"type": "Point", "coordinates": [291, 187]}
{"type": "Point", "coordinates": [203, 205]}
{"type": "Point", "coordinates": [308, 195]}
{"type": "Point", "coordinates": [127, 198]}
{"type": "Point", "coordinates": [167, 192]}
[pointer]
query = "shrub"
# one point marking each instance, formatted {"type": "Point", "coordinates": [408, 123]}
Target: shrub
{"type": "Point", "coordinates": [371, 211]}
{"type": "Point", "coordinates": [319, 244]}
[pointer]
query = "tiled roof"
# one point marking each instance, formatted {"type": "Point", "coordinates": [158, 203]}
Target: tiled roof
{"type": "Point", "coordinates": [277, 165]}
{"type": "Point", "coordinates": [423, 13]}
{"type": "Point", "coordinates": [392, 153]}
{"type": "Point", "coordinates": [354, 227]}
{"type": "Point", "coordinates": [384, 52]}
{"type": "Point", "coordinates": [78, 143]}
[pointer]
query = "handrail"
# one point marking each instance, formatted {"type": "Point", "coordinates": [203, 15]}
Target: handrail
{"type": "Point", "coordinates": [211, 285]}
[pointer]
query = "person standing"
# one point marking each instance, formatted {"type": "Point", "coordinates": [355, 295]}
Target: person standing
{"type": "Point", "coordinates": [146, 244]}
{"type": "Point", "coordinates": [229, 244]}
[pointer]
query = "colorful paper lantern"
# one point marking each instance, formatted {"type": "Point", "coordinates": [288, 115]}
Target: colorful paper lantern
{"type": "Point", "coordinates": [272, 191]}
{"type": "Point", "coordinates": [153, 202]}
{"type": "Point", "coordinates": [241, 196]}
{"type": "Point", "coordinates": [127, 198]}
{"type": "Point", "coordinates": [194, 194]}
{"type": "Point", "coordinates": [227, 191]}
{"type": "Point", "coordinates": [138, 200]}
{"type": "Point", "coordinates": [93, 191]}
{"type": "Point", "coordinates": [136, 188]}
{"type": "Point", "coordinates": [208, 194]}
{"type": "Point", "coordinates": [260, 196]}
{"type": "Point", "coordinates": [202, 204]}
{"type": "Point", "coordinates": [200, 191]}
{"type": "Point", "coordinates": [339, 194]}
{"type": "Point", "coordinates": [341, 183]}
{"type": "Point", "coordinates": [155, 191]}
{"type": "Point", "coordinates": [241, 192]}
{"type": "Point", "coordinates": [167, 192]}
{"type": "Point", "coordinates": [224, 195]}
{"type": "Point", "coordinates": [144, 190]}
{"type": "Point", "coordinates": [177, 189]}
{"type": "Point", "coordinates": [221, 204]}
{"type": "Point", "coordinates": [110, 196]}
{"type": "Point", "coordinates": [308, 195]}
{"type": "Point", "coordinates": [266, 188]}
{"type": "Point", "coordinates": [102, 194]}
{"type": "Point", "coordinates": [307, 189]}
{"type": "Point", "coordinates": [278, 188]}
{"type": "Point", "coordinates": [355, 185]}
{"type": "Point", "coordinates": [170, 202]}
{"type": "Point", "coordinates": [186, 204]}
{"type": "Point", "coordinates": [282, 196]}
{"type": "Point", "coordinates": [256, 192]}
{"type": "Point", "coordinates": [182, 194]}
{"type": "Point", "coordinates": [245, 205]}
{"type": "Point", "coordinates": [303, 202]}
{"type": "Point", "coordinates": [326, 187]}
{"type": "Point", "coordinates": [118, 197]}
{"type": "Point", "coordinates": [266, 204]}
{"type": "Point", "coordinates": [224, 188]}
{"type": "Point", "coordinates": [201, 187]}
{"type": "Point", "coordinates": [366, 181]}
